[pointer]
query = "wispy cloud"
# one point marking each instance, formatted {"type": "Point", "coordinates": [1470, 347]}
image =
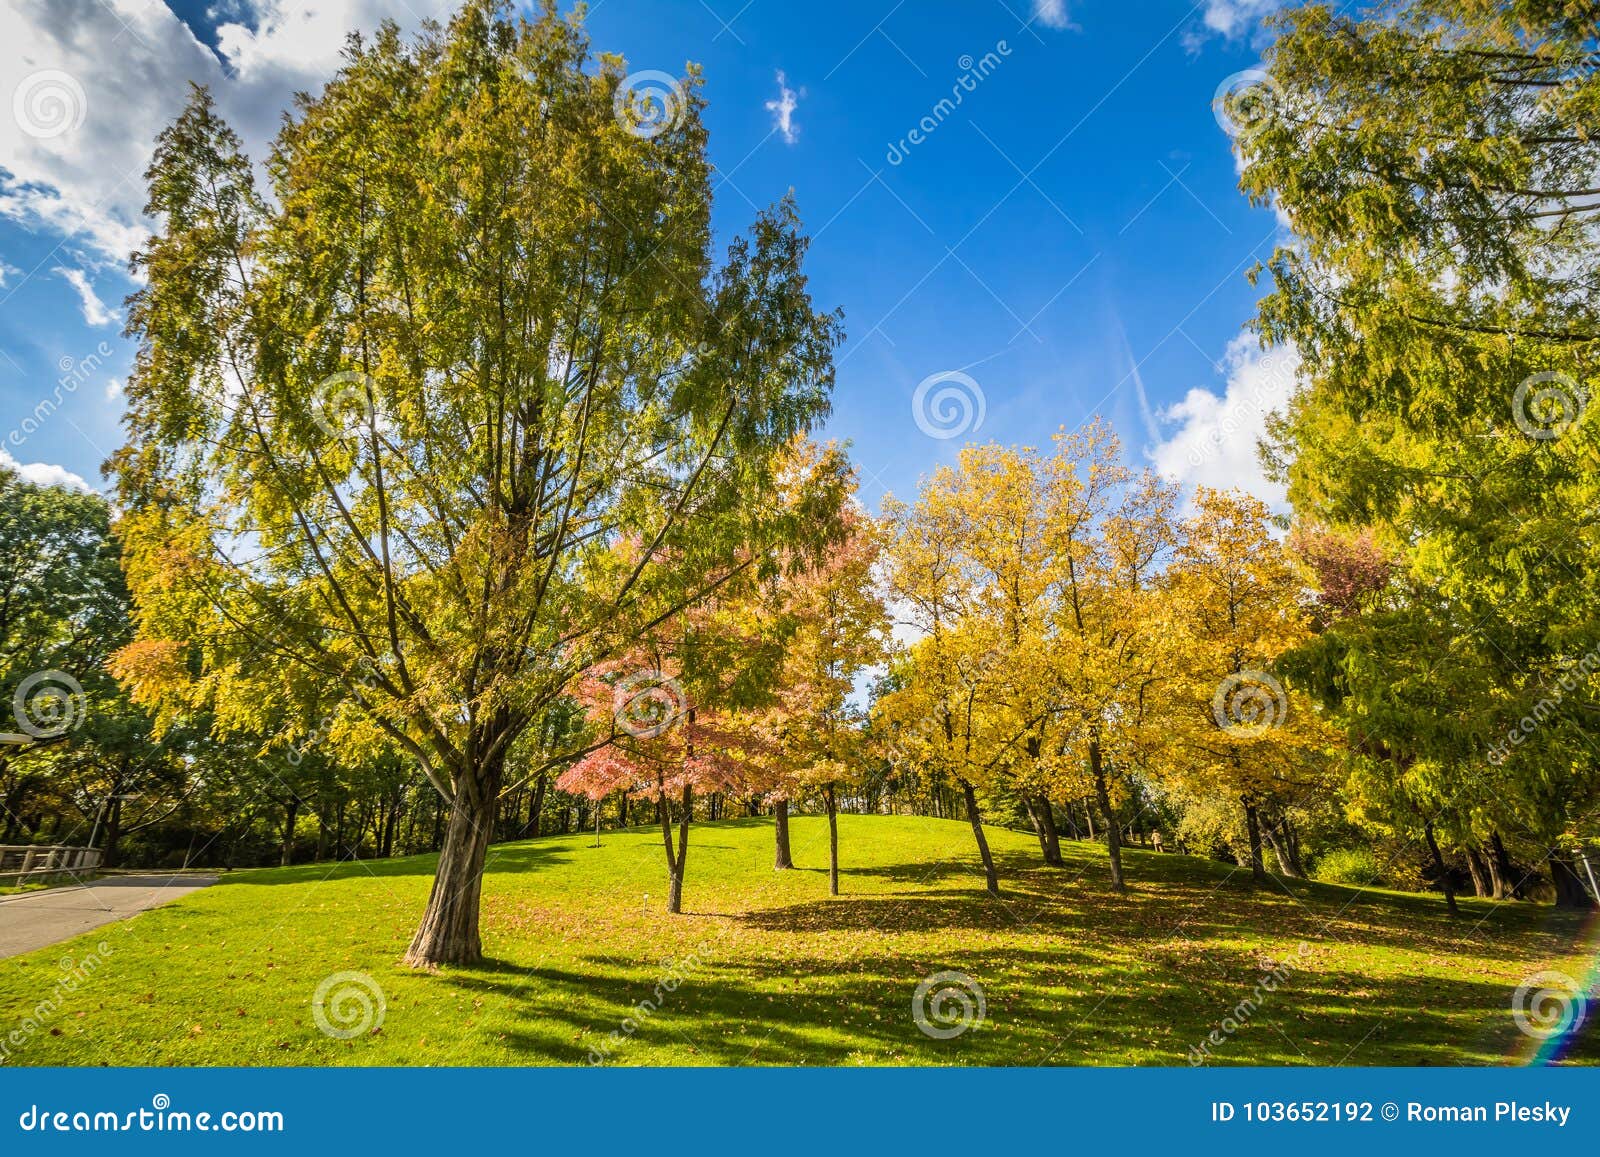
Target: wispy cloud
{"type": "Point", "coordinates": [94, 310]}
{"type": "Point", "coordinates": [1052, 13]}
{"type": "Point", "coordinates": [1230, 19]}
{"type": "Point", "coordinates": [782, 111]}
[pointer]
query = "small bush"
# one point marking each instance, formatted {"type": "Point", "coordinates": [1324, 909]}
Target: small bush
{"type": "Point", "coordinates": [1355, 866]}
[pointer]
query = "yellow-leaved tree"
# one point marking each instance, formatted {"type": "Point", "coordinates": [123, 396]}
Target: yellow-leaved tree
{"type": "Point", "coordinates": [1237, 730]}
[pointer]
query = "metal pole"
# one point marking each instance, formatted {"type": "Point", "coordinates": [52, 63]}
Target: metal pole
{"type": "Point", "coordinates": [1589, 869]}
{"type": "Point", "coordinates": [99, 811]}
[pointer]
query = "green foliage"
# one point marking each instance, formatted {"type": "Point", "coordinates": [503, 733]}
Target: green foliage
{"type": "Point", "coordinates": [1354, 866]}
{"type": "Point", "coordinates": [1435, 160]}
{"type": "Point", "coordinates": [466, 407]}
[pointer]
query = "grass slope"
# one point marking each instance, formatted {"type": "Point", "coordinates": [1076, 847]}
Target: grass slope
{"type": "Point", "coordinates": [765, 968]}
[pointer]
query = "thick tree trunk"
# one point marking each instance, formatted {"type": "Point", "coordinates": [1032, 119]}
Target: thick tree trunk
{"type": "Point", "coordinates": [290, 813]}
{"type": "Point", "coordinates": [1570, 892]}
{"type": "Point", "coordinates": [1478, 867]}
{"type": "Point", "coordinates": [990, 876]}
{"type": "Point", "coordinates": [622, 810]}
{"type": "Point", "coordinates": [1441, 870]}
{"type": "Point", "coordinates": [780, 827]}
{"type": "Point", "coordinates": [449, 930]}
{"type": "Point", "coordinates": [1097, 770]}
{"type": "Point", "coordinates": [833, 840]}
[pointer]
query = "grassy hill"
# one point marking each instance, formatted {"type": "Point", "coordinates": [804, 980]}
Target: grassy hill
{"type": "Point", "coordinates": [765, 968]}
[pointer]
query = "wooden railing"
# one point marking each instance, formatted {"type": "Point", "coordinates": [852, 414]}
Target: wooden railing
{"type": "Point", "coordinates": [30, 862]}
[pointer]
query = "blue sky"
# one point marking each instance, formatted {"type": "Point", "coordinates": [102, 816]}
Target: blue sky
{"type": "Point", "coordinates": [1069, 235]}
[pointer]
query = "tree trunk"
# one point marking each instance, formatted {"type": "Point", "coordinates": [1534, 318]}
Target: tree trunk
{"type": "Point", "coordinates": [1072, 821]}
{"type": "Point", "coordinates": [1443, 871]}
{"type": "Point", "coordinates": [1043, 817]}
{"type": "Point", "coordinates": [291, 812]}
{"type": "Point", "coordinates": [449, 930]}
{"type": "Point", "coordinates": [1291, 840]}
{"type": "Point", "coordinates": [990, 876]}
{"type": "Point", "coordinates": [1279, 853]}
{"type": "Point", "coordinates": [1570, 892]}
{"type": "Point", "coordinates": [782, 858]}
{"type": "Point", "coordinates": [389, 827]}
{"type": "Point", "coordinates": [1252, 823]}
{"type": "Point", "coordinates": [622, 810]}
{"type": "Point", "coordinates": [1482, 886]}
{"type": "Point", "coordinates": [1097, 769]}
{"type": "Point", "coordinates": [833, 840]}
{"type": "Point", "coordinates": [1088, 815]}
{"type": "Point", "coordinates": [675, 862]}
{"type": "Point", "coordinates": [110, 855]}
{"type": "Point", "coordinates": [1501, 874]}
{"type": "Point", "coordinates": [536, 807]}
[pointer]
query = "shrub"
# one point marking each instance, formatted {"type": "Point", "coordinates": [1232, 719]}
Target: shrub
{"type": "Point", "coordinates": [1355, 866]}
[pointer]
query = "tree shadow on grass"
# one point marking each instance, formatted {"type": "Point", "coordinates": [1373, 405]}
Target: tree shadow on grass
{"type": "Point", "coordinates": [1069, 1005]}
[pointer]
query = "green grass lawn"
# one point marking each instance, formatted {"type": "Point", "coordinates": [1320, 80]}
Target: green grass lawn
{"type": "Point", "coordinates": [765, 968]}
{"type": "Point", "coordinates": [31, 886]}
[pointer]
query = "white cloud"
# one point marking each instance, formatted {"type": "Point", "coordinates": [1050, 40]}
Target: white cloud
{"type": "Point", "coordinates": [94, 310]}
{"type": "Point", "coordinates": [1052, 13]}
{"type": "Point", "coordinates": [782, 111]}
{"type": "Point", "coordinates": [1215, 440]}
{"type": "Point", "coordinates": [98, 79]}
{"type": "Point", "coordinates": [7, 272]}
{"type": "Point", "coordinates": [44, 473]}
{"type": "Point", "coordinates": [1234, 19]}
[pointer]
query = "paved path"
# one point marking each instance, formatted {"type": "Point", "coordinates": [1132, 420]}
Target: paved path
{"type": "Point", "coordinates": [34, 919]}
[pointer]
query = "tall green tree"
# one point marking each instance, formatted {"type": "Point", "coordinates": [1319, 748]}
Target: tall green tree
{"type": "Point", "coordinates": [1436, 161]}
{"type": "Point", "coordinates": [388, 425]}
{"type": "Point", "coordinates": [63, 611]}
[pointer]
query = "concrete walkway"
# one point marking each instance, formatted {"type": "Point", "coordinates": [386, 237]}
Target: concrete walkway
{"type": "Point", "coordinates": [34, 919]}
